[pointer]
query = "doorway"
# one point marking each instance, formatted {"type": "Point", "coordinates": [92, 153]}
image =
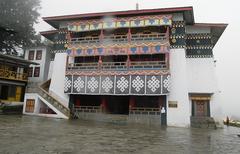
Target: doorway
{"type": "Point", "coordinates": [200, 108]}
{"type": "Point", "coordinates": [118, 104]}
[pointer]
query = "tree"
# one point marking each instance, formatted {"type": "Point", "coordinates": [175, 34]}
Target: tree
{"type": "Point", "coordinates": [17, 18]}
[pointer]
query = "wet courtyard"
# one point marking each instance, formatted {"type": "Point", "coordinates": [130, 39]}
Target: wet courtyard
{"type": "Point", "coordinates": [36, 135]}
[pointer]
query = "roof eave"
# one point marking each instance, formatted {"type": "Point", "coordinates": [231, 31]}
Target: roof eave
{"type": "Point", "coordinates": [54, 19]}
{"type": "Point", "coordinates": [217, 30]}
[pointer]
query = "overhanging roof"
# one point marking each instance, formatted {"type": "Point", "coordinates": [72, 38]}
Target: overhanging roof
{"type": "Point", "coordinates": [49, 34]}
{"type": "Point", "coordinates": [187, 11]}
{"type": "Point", "coordinates": [216, 29]}
{"type": "Point", "coordinates": [15, 60]}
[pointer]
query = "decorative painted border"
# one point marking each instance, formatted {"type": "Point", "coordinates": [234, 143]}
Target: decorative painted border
{"type": "Point", "coordinates": [99, 72]}
{"type": "Point", "coordinates": [118, 85]}
{"type": "Point", "coordinates": [107, 23]}
{"type": "Point", "coordinates": [120, 49]}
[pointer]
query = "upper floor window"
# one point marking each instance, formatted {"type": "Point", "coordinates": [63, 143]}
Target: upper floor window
{"type": "Point", "coordinates": [39, 55]}
{"type": "Point", "coordinates": [36, 71]}
{"type": "Point", "coordinates": [30, 71]}
{"type": "Point", "coordinates": [31, 55]}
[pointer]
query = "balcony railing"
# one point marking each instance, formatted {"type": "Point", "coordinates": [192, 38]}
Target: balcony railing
{"type": "Point", "coordinates": [145, 111]}
{"type": "Point", "coordinates": [133, 65]}
{"type": "Point", "coordinates": [88, 109]}
{"type": "Point", "coordinates": [12, 75]}
{"type": "Point", "coordinates": [120, 39]}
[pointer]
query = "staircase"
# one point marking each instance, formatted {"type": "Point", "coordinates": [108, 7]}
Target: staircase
{"type": "Point", "coordinates": [203, 122]}
{"type": "Point", "coordinates": [44, 93]}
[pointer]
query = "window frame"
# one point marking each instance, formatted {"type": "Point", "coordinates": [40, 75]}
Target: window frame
{"type": "Point", "coordinates": [34, 74]}
{"type": "Point", "coordinates": [30, 69]}
{"type": "Point", "coordinates": [31, 54]}
{"type": "Point", "coordinates": [38, 55]}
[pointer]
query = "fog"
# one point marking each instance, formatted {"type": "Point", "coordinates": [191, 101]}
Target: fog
{"type": "Point", "coordinates": [211, 11]}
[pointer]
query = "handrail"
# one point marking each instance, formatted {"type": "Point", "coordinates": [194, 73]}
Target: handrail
{"type": "Point", "coordinates": [145, 109]}
{"type": "Point", "coordinates": [90, 109]}
{"type": "Point", "coordinates": [120, 38]}
{"type": "Point", "coordinates": [52, 100]}
{"type": "Point", "coordinates": [87, 107]}
{"type": "Point", "coordinates": [118, 65]}
{"type": "Point", "coordinates": [13, 75]}
{"type": "Point", "coordinates": [147, 62]}
{"type": "Point", "coordinates": [83, 66]}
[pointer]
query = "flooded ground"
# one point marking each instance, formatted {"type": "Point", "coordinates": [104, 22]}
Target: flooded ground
{"type": "Point", "coordinates": [25, 134]}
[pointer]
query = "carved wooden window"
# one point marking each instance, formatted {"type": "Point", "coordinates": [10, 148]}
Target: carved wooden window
{"type": "Point", "coordinates": [36, 71]}
{"type": "Point", "coordinates": [31, 55]}
{"type": "Point", "coordinates": [30, 71]}
{"type": "Point", "coordinates": [30, 103]}
{"type": "Point", "coordinates": [39, 55]}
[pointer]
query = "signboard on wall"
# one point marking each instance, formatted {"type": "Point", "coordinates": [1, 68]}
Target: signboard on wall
{"type": "Point", "coordinates": [172, 104]}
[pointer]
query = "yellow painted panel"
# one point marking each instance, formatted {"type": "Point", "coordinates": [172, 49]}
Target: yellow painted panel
{"type": "Point", "coordinates": [72, 27]}
{"type": "Point", "coordinates": [95, 26]}
{"type": "Point", "coordinates": [11, 99]}
{"type": "Point", "coordinates": [18, 93]}
{"type": "Point", "coordinates": [109, 24]}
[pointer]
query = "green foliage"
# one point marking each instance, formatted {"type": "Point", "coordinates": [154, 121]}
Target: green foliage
{"type": "Point", "coordinates": [17, 18]}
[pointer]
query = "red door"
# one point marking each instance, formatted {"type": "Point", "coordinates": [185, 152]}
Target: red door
{"type": "Point", "coordinates": [200, 108]}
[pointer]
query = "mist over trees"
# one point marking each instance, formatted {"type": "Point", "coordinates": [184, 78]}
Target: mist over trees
{"type": "Point", "coordinates": [17, 18]}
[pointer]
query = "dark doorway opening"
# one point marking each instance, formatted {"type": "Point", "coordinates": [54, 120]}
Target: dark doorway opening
{"type": "Point", "coordinates": [86, 100]}
{"type": "Point", "coordinates": [118, 104]}
{"type": "Point", "coordinates": [4, 92]}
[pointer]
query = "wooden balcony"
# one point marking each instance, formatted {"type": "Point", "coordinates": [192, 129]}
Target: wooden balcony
{"type": "Point", "coordinates": [88, 109]}
{"type": "Point", "coordinates": [145, 111]}
{"type": "Point", "coordinates": [12, 75]}
{"type": "Point", "coordinates": [133, 65]}
{"type": "Point", "coordinates": [111, 39]}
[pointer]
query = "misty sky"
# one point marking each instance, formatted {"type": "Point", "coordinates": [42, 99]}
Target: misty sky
{"type": "Point", "coordinates": [226, 51]}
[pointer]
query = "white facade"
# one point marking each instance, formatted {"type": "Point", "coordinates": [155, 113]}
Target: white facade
{"type": "Point", "coordinates": [43, 64]}
{"type": "Point", "coordinates": [179, 116]}
{"type": "Point", "coordinates": [39, 102]}
{"type": "Point", "coordinates": [58, 78]}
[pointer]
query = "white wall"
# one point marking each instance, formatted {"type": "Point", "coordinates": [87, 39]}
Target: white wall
{"type": "Point", "coordinates": [38, 100]}
{"type": "Point", "coordinates": [42, 64]}
{"type": "Point", "coordinates": [30, 96]}
{"type": "Point", "coordinates": [201, 75]}
{"type": "Point", "coordinates": [216, 109]}
{"type": "Point", "coordinates": [202, 79]}
{"type": "Point", "coordinates": [179, 116]}
{"type": "Point", "coordinates": [50, 70]}
{"type": "Point", "coordinates": [58, 78]}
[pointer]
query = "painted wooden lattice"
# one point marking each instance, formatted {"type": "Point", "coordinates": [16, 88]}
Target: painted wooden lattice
{"type": "Point", "coordinates": [118, 84]}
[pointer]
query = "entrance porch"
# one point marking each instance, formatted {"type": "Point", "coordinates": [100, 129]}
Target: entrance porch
{"type": "Point", "coordinates": [138, 109]}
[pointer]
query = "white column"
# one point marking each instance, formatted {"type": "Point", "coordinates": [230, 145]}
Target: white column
{"type": "Point", "coordinates": [179, 116]}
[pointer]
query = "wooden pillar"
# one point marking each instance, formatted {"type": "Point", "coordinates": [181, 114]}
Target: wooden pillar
{"type": "Point", "coordinates": [128, 61]}
{"type": "Point", "coordinates": [103, 104]}
{"type": "Point", "coordinates": [67, 62]}
{"type": "Point", "coordinates": [78, 102]}
{"type": "Point", "coordinates": [131, 102]}
{"type": "Point", "coordinates": [160, 102]}
{"type": "Point", "coordinates": [100, 62]}
{"type": "Point", "coordinates": [167, 59]}
{"type": "Point", "coordinates": [101, 36]}
{"type": "Point", "coordinates": [167, 32]}
{"type": "Point", "coordinates": [129, 35]}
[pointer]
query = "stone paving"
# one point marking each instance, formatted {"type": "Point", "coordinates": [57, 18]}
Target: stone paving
{"type": "Point", "coordinates": [36, 135]}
